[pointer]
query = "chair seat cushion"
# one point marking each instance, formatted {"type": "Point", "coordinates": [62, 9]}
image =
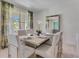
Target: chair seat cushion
{"type": "Point", "coordinates": [45, 51]}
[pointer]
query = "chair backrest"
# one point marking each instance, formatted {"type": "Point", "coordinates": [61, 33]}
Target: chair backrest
{"type": "Point", "coordinates": [50, 36]}
{"type": "Point", "coordinates": [20, 47]}
{"type": "Point", "coordinates": [12, 46]}
{"type": "Point", "coordinates": [21, 32]}
{"type": "Point", "coordinates": [56, 38]}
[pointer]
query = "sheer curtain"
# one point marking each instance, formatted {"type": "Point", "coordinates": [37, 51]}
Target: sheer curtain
{"type": "Point", "coordinates": [5, 11]}
{"type": "Point", "coordinates": [0, 24]}
{"type": "Point", "coordinates": [12, 19]}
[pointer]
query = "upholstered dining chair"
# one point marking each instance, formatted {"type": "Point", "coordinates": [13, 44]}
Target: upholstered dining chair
{"type": "Point", "coordinates": [49, 36]}
{"type": "Point", "coordinates": [23, 50]}
{"type": "Point", "coordinates": [12, 46]}
{"type": "Point", "coordinates": [17, 49]}
{"type": "Point", "coordinates": [21, 32]}
{"type": "Point", "coordinates": [47, 51]}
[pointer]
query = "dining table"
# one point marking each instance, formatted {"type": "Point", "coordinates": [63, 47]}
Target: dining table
{"type": "Point", "coordinates": [34, 41]}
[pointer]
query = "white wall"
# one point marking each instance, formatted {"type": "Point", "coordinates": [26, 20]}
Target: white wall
{"type": "Point", "coordinates": [41, 15]}
{"type": "Point", "coordinates": [69, 11]}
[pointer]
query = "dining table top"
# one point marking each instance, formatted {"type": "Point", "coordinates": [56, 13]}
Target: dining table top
{"type": "Point", "coordinates": [34, 41]}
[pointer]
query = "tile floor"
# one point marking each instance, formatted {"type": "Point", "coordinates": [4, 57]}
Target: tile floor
{"type": "Point", "coordinates": [68, 52]}
{"type": "Point", "coordinates": [4, 53]}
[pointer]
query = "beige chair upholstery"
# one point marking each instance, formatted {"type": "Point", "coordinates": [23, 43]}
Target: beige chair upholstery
{"type": "Point", "coordinates": [16, 48]}
{"type": "Point", "coordinates": [50, 36]}
{"type": "Point", "coordinates": [24, 51]}
{"type": "Point", "coordinates": [50, 40]}
{"type": "Point", "coordinates": [49, 51]}
{"type": "Point", "coordinates": [21, 32]}
{"type": "Point", "coordinates": [12, 46]}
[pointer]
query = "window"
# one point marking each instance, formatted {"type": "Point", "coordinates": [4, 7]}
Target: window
{"type": "Point", "coordinates": [26, 20]}
{"type": "Point", "coordinates": [15, 18]}
{"type": "Point", "coordinates": [53, 23]}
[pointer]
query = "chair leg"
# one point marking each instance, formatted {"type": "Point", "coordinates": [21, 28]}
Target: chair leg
{"type": "Point", "coordinates": [33, 55]}
{"type": "Point", "coordinates": [39, 56]}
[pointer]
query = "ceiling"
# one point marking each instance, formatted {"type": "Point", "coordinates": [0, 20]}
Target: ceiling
{"type": "Point", "coordinates": [36, 4]}
{"type": "Point", "coordinates": [45, 4]}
